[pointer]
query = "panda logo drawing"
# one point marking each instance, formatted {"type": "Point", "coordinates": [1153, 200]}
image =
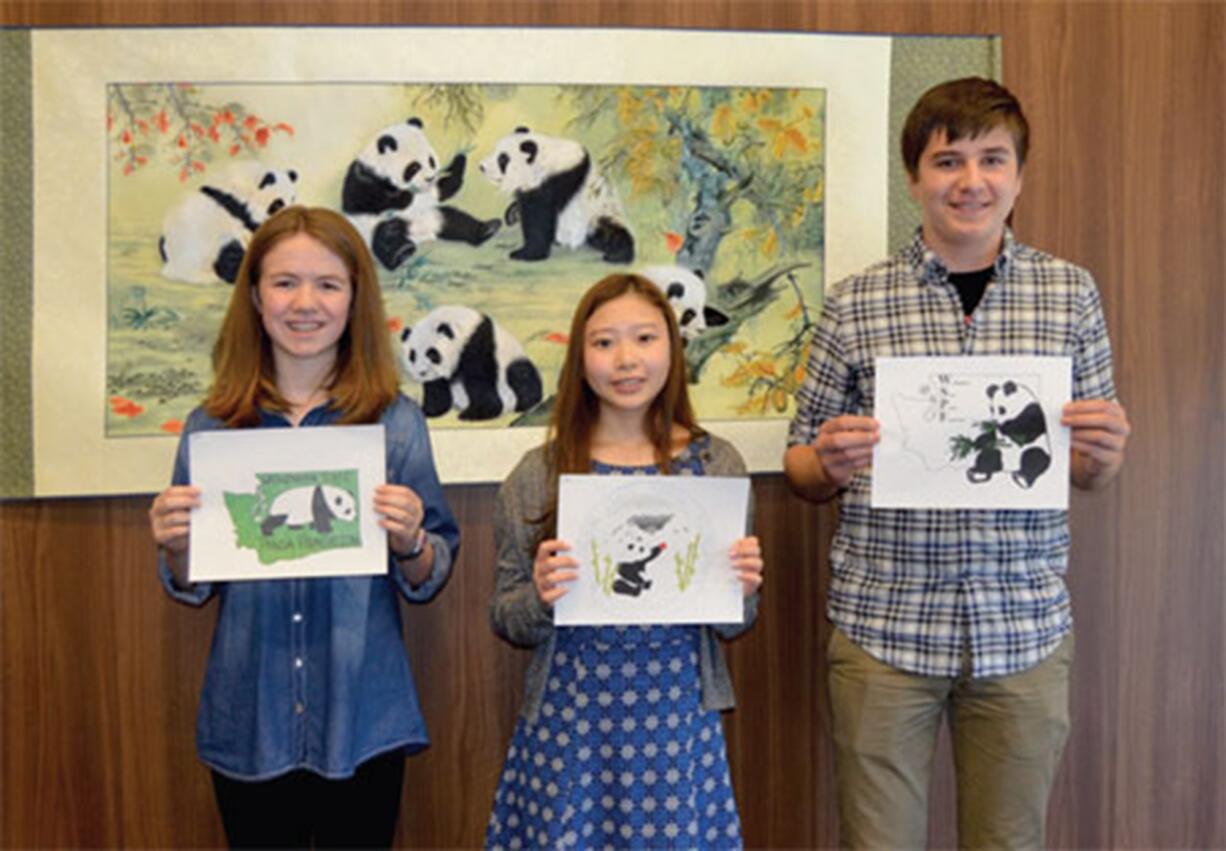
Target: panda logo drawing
{"type": "Point", "coordinates": [394, 192]}
{"type": "Point", "coordinates": [1018, 443]}
{"type": "Point", "coordinates": [636, 543]}
{"type": "Point", "coordinates": [310, 507]}
{"type": "Point", "coordinates": [559, 198]}
{"type": "Point", "coordinates": [205, 235]}
{"type": "Point", "coordinates": [465, 360]}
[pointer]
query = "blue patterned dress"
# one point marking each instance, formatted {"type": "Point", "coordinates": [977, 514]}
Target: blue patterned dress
{"type": "Point", "coordinates": [622, 755]}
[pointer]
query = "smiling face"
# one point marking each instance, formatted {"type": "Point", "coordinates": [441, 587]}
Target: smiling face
{"type": "Point", "coordinates": [626, 354]}
{"type": "Point", "coordinates": [303, 298]}
{"type": "Point", "coordinates": [966, 190]}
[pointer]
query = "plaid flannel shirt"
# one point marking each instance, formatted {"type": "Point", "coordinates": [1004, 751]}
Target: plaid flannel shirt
{"type": "Point", "coordinates": [911, 587]}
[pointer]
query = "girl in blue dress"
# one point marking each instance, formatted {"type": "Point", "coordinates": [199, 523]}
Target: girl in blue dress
{"type": "Point", "coordinates": [619, 743]}
{"type": "Point", "coordinates": [309, 707]}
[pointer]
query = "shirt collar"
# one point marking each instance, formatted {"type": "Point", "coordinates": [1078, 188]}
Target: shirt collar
{"type": "Point", "coordinates": [930, 270]}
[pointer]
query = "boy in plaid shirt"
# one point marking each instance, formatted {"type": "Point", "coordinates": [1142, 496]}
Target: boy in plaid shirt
{"type": "Point", "coordinates": [957, 611]}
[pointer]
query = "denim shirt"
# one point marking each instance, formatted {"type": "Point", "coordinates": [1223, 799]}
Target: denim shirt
{"type": "Point", "coordinates": [313, 673]}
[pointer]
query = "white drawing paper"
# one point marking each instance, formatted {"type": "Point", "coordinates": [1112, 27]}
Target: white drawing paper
{"type": "Point", "coordinates": [972, 432]}
{"type": "Point", "coordinates": [652, 549]}
{"type": "Point", "coordinates": [285, 503]}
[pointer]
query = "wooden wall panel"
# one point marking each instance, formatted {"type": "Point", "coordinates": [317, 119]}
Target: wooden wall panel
{"type": "Point", "coordinates": [99, 672]}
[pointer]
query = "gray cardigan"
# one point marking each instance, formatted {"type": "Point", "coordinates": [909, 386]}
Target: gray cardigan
{"type": "Point", "coordinates": [517, 613]}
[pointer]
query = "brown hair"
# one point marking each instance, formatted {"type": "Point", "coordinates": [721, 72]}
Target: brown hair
{"type": "Point", "coordinates": [364, 379]}
{"type": "Point", "coordinates": [576, 407]}
{"type": "Point", "coordinates": [968, 107]}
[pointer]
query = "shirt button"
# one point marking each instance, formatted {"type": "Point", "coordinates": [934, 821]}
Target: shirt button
{"type": "Point", "coordinates": [297, 617]}
{"type": "Point", "coordinates": [299, 708]}
{"type": "Point", "coordinates": [298, 663]}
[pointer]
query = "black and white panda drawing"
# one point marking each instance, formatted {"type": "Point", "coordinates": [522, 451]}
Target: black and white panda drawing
{"type": "Point", "coordinates": [1021, 446]}
{"type": "Point", "coordinates": [393, 194]}
{"type": "Point", "coordinates": [467, 361]}
{"type": "Point", "coordinates": [635, 545]}
{"type": "Point", "coordinates": [315, 507]}
{"type": "Point", "coordinates": [559, 197]}
{"type": "Point", "coordinates": [205, 235]}
{"type": "Point", "coordinates": [686, 291]}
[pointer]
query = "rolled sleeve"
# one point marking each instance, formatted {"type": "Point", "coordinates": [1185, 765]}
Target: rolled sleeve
{"type": "Point", "coordinates": [411, 463]}
{"type": "Point", "coordinates": [196, 593]}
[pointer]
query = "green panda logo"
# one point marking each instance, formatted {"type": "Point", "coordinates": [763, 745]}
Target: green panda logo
{"type": "Point", "coordinates": [294, 515]}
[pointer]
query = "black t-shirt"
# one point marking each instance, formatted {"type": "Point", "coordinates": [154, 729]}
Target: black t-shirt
{"type": "Point", "coordinates": [970, 287]}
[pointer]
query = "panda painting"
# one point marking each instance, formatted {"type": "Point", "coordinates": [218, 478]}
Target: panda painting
{"type": "Point", "coordinates": [205, 235]}
{"type": "Point", "coordinates": [393, 194]}
{"type": "Point", "coordinates": [686, 291]}
{"type": "Point", "coordinates": [465, 360]}
{"type": "Point", "coordinates": [1021, 446]}
{"type": "Point", "coordinates": [314, 507]}
{"type": "Point", "coordinates": [559, 197]}
{"type": "Point", "coordinates": [635, 546]}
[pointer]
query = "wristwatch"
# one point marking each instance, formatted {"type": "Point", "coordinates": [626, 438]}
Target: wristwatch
{"type": "Point", "coordinates": [418, 548]}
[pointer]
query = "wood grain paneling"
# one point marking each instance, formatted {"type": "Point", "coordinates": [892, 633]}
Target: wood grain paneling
{"type": "Point", "coordinates": [99, 673]}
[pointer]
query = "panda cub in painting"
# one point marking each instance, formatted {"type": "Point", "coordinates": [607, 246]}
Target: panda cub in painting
{"type": "Point", "coordinates": [315, 507]}
{"type": "Point", "coordinates": [393, 194]}
{"type": "Point", "coordinates": [560, 198]}
{"type": "Point", "coordinates": [686, 291]}
{"type": "Point", "coordinates": [205, 235]}
{"type": "Point", "coordinates": [1022, 446]}
{"type": "Point", "coordinates": [465, 360]}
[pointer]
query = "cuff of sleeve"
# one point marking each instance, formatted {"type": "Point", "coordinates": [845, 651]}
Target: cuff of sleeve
{"type": "Point", "coordinates": [440, 570]}
{"type": "Point", "coordinates": [195, 594]}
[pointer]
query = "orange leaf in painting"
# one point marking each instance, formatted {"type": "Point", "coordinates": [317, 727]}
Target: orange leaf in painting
{"type": "Point", "coordinates": [284, 128]}
{"type": "Point", "coordinates": [162, 122]}
{"type": "Point", "coordinates": [557, 337]}
{"type": "Point", "coordinates": [250, 122]}
{"type": "Point", "coordinates": [779, 398]}
{"type": "Point", "coordinates": [261, 136]}
{"type": "Point", "coordinates": [673, 241]}
{"type": "Point", "coordinates": [125, 407]}
{"type": "Point", "coordinates": [172, 426]}
{"type": "Point", "coordinates": [394, 324]}
{"type": "Point", "coordinates": [723, 123]}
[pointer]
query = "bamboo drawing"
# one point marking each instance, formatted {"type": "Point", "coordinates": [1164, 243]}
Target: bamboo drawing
{"type": "Point", "coordinates": [685, 565]}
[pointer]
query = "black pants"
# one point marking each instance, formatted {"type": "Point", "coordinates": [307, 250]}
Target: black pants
{"type": "Point", "coordinates": [303, 810]}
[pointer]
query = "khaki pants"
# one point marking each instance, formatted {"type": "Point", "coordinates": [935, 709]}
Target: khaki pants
{"type": "Point", "coordinates": [1008, 734]}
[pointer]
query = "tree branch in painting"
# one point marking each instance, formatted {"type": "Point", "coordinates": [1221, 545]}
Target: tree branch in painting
{"type": "Point", "coordinates": [741, 172]}
{"type": "Point", "coordinates": [175, 120]}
